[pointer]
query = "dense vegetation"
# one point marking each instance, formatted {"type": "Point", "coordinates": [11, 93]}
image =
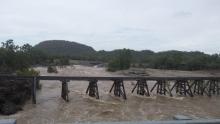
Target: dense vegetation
{"type": "Point", "coordinates": [15, 58]}
{"type": "Point", "coordinates": [20, 59]}
{"type": "Point", "coordinates": [184, 60]}
{"type": "Point", "coordinates": [160, 60]}
{"type": "Point", "coordinates": [167, 60]}
{"type": "Point", "coordinates": [56, 52]}
{"type": "Point", "coordinates": [122, 61]}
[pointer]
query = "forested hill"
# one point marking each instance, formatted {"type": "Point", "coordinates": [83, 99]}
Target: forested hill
{"type": "Point", "coordinates": [163, 60]}
{"type": "Point", "coordinates": [65, 48]}
{"type": "Point", "coordinates": [74, 50]}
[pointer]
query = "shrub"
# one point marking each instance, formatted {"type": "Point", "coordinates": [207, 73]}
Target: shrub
{"type": "Point", "coordinates": [29, 72]}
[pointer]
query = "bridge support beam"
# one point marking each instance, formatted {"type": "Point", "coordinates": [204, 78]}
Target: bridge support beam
{"type": "Point", "coordinates": [182, 88]}
{"type": "Point", "coordinates": [160, 85]}
{"type": "Point", "coordinates": [64, 90]}
{"type": "Point", "coordinates": [119, 89]}
{"type": "Point", "coordinates": [93, 89]}
{"type": "Point", "coordinates": [213, 87]}
{"type": "Point", "coordinates": [142, 87]}
{"type": "Point", "coordinates": [33, 90]}
{"type": "Point", "coordinates": [198, 87]}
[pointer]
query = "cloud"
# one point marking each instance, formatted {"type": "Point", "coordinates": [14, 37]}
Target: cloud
{"type": "Point", "coordinates": [182, 14]}
{"type": "Point", "coordinates": [111, 24]}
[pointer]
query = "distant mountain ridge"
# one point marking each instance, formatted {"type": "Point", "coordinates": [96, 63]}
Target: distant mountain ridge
{"type": "Point", "coordinates": [80, 51]}
{"type": "Point", "coordinates": [171, 59]}
{"type": "Point", "coordinates": [64, 48]}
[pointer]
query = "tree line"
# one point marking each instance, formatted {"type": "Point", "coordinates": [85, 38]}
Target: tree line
{"type": "Point", "coordinates": [174, 60]}
{"type": "Point", "coordinates": [17, 58]}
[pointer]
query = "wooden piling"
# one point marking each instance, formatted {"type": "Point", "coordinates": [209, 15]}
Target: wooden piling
{"type": "Point", "coordinates": [213, 87]}
{"type": "Point", "coordinates": [182, 87]}
{"type": "Point", "coordinates": [93, 89]}
{"type": "Point", "coordinates": [218, 87]}
{"type": "Point", "coordinates": [142, 87]}
{"type": "Point", "coordinates": [119, 89]}
{"type": "Point", "coordinates": [34, 81]}
{"type": "Point", "coordinates": [65, 91]}
{"type": "Point", "coordinates": [160, 86]}
{"type": "Point", "coordinates": [198, 87]}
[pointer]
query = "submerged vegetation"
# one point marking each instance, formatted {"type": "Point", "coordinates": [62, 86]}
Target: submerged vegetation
{"type": "Point", "coordinates": [52, 69]}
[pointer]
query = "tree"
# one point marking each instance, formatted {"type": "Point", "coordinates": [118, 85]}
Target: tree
{"type": "Point", "coordinates": [121, 62]}
{"type": "Point", "coordinates": [26, 48]}
{"type": "Point", "coordinates": [9, 45]}
{"type": "Point", "coordinates": [13, 59]}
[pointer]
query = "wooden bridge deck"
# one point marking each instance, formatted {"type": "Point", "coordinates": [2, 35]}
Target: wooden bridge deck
{"type": "Point", "coordinates": [107, 78]}
{"type": "Point", "coordinates": [186, 86]}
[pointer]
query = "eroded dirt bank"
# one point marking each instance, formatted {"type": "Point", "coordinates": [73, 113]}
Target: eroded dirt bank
{"type": "Point", "coordinates": [50, 108]}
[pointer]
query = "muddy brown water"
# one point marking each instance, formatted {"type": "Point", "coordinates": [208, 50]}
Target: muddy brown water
{"type": "Point", "coordinates": [50, 108]}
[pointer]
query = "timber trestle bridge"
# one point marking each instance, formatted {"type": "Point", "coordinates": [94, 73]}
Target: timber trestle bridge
{"type": "Point", "coordinates": [184, 86]}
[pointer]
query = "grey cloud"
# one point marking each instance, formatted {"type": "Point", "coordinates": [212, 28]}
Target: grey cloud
{"type": "Point", "coordinates": [182, 14]}
{"type": "Point", "coordinates": [111, 24]}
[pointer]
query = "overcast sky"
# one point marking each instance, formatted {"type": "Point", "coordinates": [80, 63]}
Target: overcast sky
{"type": "Point", "coordinates": [157, 25]}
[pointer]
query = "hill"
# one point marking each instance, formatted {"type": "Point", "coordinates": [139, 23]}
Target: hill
{"type": "Point", "coordinates": [172, 59]}
{"type": "Point", "coordinates": [65, 48]}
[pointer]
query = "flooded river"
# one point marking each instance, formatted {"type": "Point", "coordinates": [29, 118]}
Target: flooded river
{"type": "Point", "coordinates": [50, 108]}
